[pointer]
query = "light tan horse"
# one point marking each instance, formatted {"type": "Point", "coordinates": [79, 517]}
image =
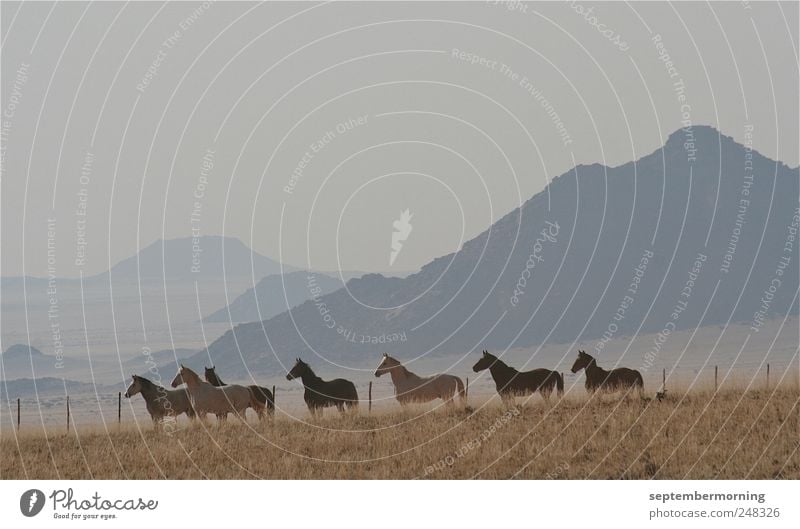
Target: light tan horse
{"type": "Point", "coordinates": [409, 387]}
{"type": "Point", "coordinates": [209, 399]}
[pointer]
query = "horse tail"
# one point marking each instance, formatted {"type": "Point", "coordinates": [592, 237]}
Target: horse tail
{"type": "Point", "coordinates": [639, 383]}
{"type": "Point", "coordinates": [255, 402]}
{"type": "Point", "coordinates": [353, 402]}
{"type": "Point", "coordinates": [559, 383]}
{"type": "Point", "coordinates": [462, 393]}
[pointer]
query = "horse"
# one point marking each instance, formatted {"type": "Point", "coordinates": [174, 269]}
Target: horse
{"type": "Point", "coordinates": [598, 378]}
{"type": "Point", "coordinates": [320, 394]}
{"type": "Point", "coordinates": [411, 388]}
{"type": "Point", "coordinates": [511, 383]}
{"type": "Point", "coordinates": [209, 399]}
{"type": "Point", "coordinates": [263, 395]}
{"type": "Point", "coordinates": [160, 401]}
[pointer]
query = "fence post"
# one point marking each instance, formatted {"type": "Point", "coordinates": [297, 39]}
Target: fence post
{"type": "Point", "coordinates": [664, 379]}
{"type": "Point", "coordinates": [67, 413]}
{"type": "Point", "coordinates": [715, 379]}
{"type": "Point", "coordinates": [273, 398]}
{"type": "Point", "coordinates": [370, 396]}
{"type": "Point", "coordinates": [119, 407]}
{"type": "Point", "coordinates": [767, 376]}
{"type": "Point", "coordinates": [466, 390]}
{"type": "Point", "coordinates": [18, 414]}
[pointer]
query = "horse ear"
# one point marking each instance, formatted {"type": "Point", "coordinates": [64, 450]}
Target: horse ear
{"type": "Point", "coordinates": [386, 355]}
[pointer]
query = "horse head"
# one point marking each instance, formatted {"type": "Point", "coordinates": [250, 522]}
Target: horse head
{"type": "Point", "coordinates": [179, 377]}
{"type": "Point", "coordinates": [485, 362]}
{"type": "Point", "coordinates": [582, 361]}
{"type": "Point", "coordinates": [386, 365]}
{"type": "Point", "coordinates": [300, 368]}
{"type": "Point", "coordinates": [134, 388]}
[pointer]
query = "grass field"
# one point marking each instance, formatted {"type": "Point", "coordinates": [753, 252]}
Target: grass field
{"type": "Point", "coordinates": [699, 435]}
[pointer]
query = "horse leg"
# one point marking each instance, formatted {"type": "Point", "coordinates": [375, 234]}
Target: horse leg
{"type": "Point", "coordinates": [449, 399]}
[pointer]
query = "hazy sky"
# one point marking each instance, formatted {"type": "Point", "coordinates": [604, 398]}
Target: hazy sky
{"type": "Point", "coordinates": [305, 129]}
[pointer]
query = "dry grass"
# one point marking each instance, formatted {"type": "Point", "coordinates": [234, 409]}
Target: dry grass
{"type": "Point", "coordinates": [700, 435]}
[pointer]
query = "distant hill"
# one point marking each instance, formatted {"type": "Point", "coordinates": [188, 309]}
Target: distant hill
{"type": "Point", "coordinates": [22, 360]}
{"type": "Point", "coordinates": [51, 387]}
{"type": "Point", "coordinates": [663, 230]}
{"type": "Point", "coordinates": [161, 288]}
{"type": "Point", "coordinates": [139, 364]}
{"type": "Point", "coordinates": [19, 352]}
{"type": "Point", "coordinates": [275, 294]}
{"type": "Point", "coordinates": [181, 259]}
{"type": "Point", "coordinates": [208, 257]}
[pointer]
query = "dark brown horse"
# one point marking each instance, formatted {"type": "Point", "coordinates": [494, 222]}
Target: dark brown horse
{"type": "Point", "coordinates": [320, 394]}
{"type": "Point", "coordinates": [160, 401]}
{"type": "Point", "coordinates": [598, 378]}
{"type": "Point", "coordinates": [263, 396]}
{"type": "Point", "coordinates": [511, 383]}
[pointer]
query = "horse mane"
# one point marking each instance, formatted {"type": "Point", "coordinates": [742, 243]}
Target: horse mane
{"type": "Point", "coordinates": [592, 360]}
{"type": "Point", "coordinates": [149, 389]}
{"type": "Point", "coordinates": [499, 362]}
{"type": "Point", "coordinates": [403, 369]}
{"type": "Point", "coordinates": [217, 379]}
{"type": "Point", "coordinates": [593, 364]}
{"type": "Point", "coordinates": [309, 372]}
{"type": "Point", "coordinates": [146, 382]}
{"type": "Point", "coordinates": [407, 372]}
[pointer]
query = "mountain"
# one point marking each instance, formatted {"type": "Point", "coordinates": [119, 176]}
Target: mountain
{"type": "Point", "coordinates": [209, 257]}
{"type": "Point", "coordinates": [182, 259]}
{"type": "Point", "coordinates": [675, 240]}
{"type": "Point", "coordinates": [275, 294]}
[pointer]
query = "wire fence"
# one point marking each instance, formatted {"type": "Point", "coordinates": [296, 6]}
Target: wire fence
{"type": "Point", "coordinates": [110, 409]}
